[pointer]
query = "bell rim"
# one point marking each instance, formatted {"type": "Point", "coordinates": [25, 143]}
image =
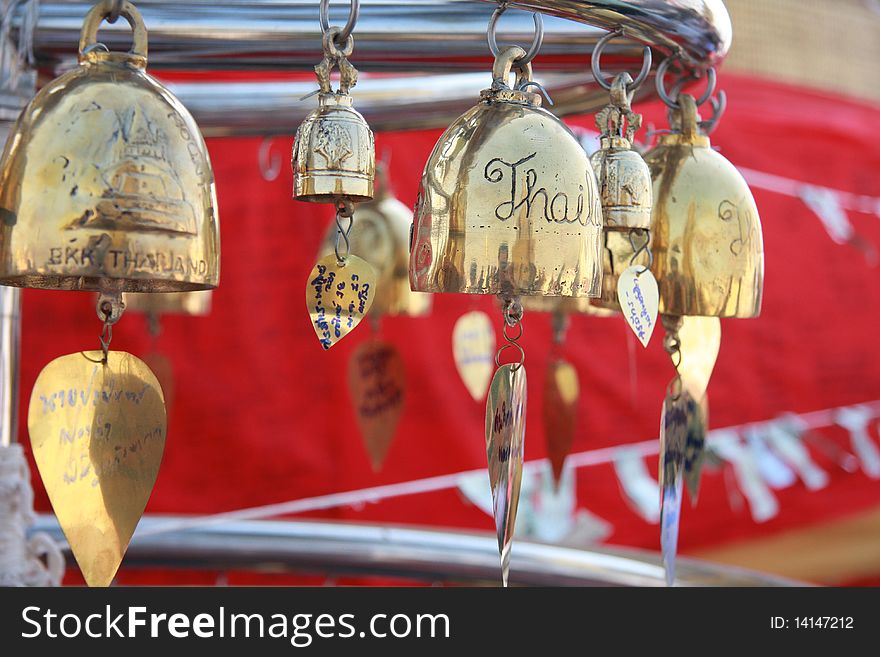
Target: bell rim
{"type": "Point", "coordinates": [69, 283]}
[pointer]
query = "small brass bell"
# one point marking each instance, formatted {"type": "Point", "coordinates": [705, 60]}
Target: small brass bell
{"type": "Point", "coordinates": [105, 182]}
{"type": "Point", "coordinates": [334, 155]}
{"type": "Point", "coordinates": [380, 235]}
{"type": "Point", "coordinates": [508, 202]}
{"type": "Point", "coordinates": [707, 240]}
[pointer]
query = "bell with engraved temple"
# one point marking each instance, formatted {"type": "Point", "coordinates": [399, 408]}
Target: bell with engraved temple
{"type": "Point", "coordinates": [334, 154]}
{"type": "Point", "coordinates": [508, 202]}
{"type": "Point", "coordinates": [105, 183]}
{"type": "Point", "coordinates": [707, 241]}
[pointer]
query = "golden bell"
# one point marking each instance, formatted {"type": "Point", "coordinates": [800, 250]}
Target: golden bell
{"type": "Point", "coordinates": [380, 235]}
{"type": "Point", "coordinates": [106, 182]}
{"type": "Point", "coordinates": [334, 155]}
{"type": "Point", "coordinates": [617, 256]}
{"type": "Point", "coordinates": [508, 201]}
{"type": "Point", "coordinates": [624, 178]}
{"type": "Point", "coordinates": [706, 232]}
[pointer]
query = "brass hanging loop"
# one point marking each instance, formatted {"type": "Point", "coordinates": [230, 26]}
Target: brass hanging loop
{"type": "Point", "coordinates": [344, 210]}
{"type": "Point", "coordinates": [345, 32]}
{"type": "Point", "coordinates": [671, 101]}
{"type": "Point", "coordinates": [109, 309]}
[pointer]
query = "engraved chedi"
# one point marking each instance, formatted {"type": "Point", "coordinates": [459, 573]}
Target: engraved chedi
{"type": "Point", "coordinates": [106, 183]}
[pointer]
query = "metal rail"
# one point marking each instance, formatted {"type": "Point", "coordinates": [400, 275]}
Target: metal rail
{"type": "Point", "coordinates": [426, 555]}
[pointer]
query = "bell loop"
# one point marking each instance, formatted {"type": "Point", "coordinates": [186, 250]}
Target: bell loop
{"type": "Point", "coordinates": [344, 33]}
{"type": "Point", "coordinates": [113, 9]}
{"type": "Point", "coordinates": [344, 210]}
{"type": "Point", "coordinates": [336, 57]}
{"type": "Point", "coordinates": [644, 247]}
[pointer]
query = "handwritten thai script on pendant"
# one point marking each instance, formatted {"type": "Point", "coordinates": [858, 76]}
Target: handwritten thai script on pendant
{"type": "Point", "coordinates": [556, 208]}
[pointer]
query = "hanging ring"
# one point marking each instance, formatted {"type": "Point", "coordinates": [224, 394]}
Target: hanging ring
{"type": "Point", "coordinates": [536, 42]}
{"type": "Point", "coordinates": [672, 103]}
{"type": "Point", "coordinates": [595, 63]}
{"type": "Point", "coordinates": [344, 210]}
{"type": "Point", "coordinates": [324, 15]}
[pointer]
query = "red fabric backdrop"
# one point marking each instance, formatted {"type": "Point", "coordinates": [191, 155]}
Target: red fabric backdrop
{"type": "Point", "coordinates": [261, 414]}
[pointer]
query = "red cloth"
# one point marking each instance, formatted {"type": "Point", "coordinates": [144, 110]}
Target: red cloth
{"type": "Point", "coordinates": [261, 414]}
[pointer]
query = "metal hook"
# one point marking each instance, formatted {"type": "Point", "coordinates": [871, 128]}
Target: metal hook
{"type": "Point", "coordinates": [536, 42]}
{"type": "Point", "coordinates": [270, 167]}
{"type": "Point", "coordinates": [344, 210]}
{"type": "Point", "coordinates": [671, 102]}
{"type": "Point", "coordinates": [719, 105]}
{"type": "Point", "coordinates": [637, 251]}
{"type": "Point", "coordinates": [595, 63]}
{"type": "Point", "coordinates": [531, 83]}
{"type": "Point", "coordinates": [324, 16]}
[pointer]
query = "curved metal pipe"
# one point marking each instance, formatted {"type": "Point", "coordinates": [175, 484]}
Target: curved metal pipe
{"type": "Point", "coordinates": [421, 554]}
{"type": "Point", "coordinates": [391, 34]}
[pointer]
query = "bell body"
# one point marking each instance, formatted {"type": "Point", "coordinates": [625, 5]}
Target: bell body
{"type": "Point", "coordinates": [106, 182]}
{"type": "Point", "coordinates": [334, 155]}
{"type": "Point", "coordinates": [380, 235]}
{"type": "Point", "coordinates": [706, 232]}
{"type": "Point", "coordinates": [624, 185]}
{"type": "Point", "coordinates": [508, 205]}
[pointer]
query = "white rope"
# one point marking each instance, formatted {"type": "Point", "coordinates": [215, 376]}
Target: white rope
{"type": "Point", "coordinates": [355, 498]}
{"type": "Point", "coordinates": [23, 562]}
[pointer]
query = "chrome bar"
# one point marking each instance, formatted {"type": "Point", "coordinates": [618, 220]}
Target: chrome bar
{"type": "Point", "coordinates": [10, 349]}
{"type": "Point", "coordinates": [393, 35]}
{"type": "Point", "coordinates": [428, 555]}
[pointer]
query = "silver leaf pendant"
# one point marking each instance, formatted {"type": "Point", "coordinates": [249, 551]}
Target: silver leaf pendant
{"type": "Point", "coordinates": [505, 435]}
{"type": "Point", "coordinates": [673, 442]}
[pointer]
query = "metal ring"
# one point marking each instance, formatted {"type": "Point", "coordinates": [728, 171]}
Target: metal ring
{"type": "Point", "coordinates": [511, 345]}
{"type": "Point", "coordinates": [115, 12]}
{"type": "Point", "coordinates": [673, 103]}
{"type": "Point", "coordinates": [324, 16]}
{"type": "Point", "coordinates": [536, 42]}
{"type": "Point", "coordinates": [595, 65]}
{"type": "Point", "coordinates": [331, 41]}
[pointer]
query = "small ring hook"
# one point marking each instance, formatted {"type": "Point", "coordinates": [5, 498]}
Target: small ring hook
{"type": "Point", "coordinates": [595, 64]}
{"type": "Point", "coordinates": [536, 42]}
{"type": "Point", "coordinates": [672, 103]}
{"type": "Point", "coordinates": [324, 16]}
{"type": "Point", "coordinates": [270, 167]}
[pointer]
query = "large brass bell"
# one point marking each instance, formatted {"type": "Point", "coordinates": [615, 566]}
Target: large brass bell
{"type": "Point", "coordinates": [105, 183]}
{"type": "Point", "coordinates": [707, 240]}
{"type": "Point", "coordinates": [380, 235]}
{"type": "Point", "coordinates": [334, 154]}
{"type": "Point", "coordinates": [508, 202]}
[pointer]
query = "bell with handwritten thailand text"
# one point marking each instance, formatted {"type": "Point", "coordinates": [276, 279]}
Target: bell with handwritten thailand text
{"type": "Point", "coordinates": [105, 183]}
{"type": "Point", "coordinates": [508, 201]}
{"type": "Point", "coordinates": [706, 232]}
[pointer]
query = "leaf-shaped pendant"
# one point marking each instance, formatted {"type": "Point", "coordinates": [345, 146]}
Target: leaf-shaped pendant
{"type": "Point", "coordinates": [505, 435]}
{"type": "Point", "coordinates": [673, 439]}
{"type": "Point", "coordinates": [639, 300]}
{"type": "Point", "coordinates": [473, 347]}
{"type": "Point", "coordinates": [695, 447]}
{"type": "Point", "coordinates": [700, 342]}
{"type": "Point", "coordinates": [561, 394]}
{"type": "Point", "coordinates": [338, 295]}
{"type": "Point", "coordinates": [98, 434]}
{"type": "Point", "coordinates": [377, 381]}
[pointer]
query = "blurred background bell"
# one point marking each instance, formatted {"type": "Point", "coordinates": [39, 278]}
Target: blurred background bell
{"type": "Point", "coordinates": [508, 202]}
{"type": "Point", "coordinates": [706, 232]}
{"type": "Point", "coordinates": [380, 235]}
{"type": "Point", "coordinates": [105, 182]}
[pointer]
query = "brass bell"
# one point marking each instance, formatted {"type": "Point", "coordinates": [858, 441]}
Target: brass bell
{"type": "Point", "coordinates": [105, 182]}
{"type": "Point", "coordinates": [380, 235]}
{"type": "Point", "coordinates": [707, 241]}
{"type": "Point", "coordinates": [334, 155]}
{"type": "Point", "coordinates": [508, 202]}
{"type": "Point", "coordinates": [624, 178]}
